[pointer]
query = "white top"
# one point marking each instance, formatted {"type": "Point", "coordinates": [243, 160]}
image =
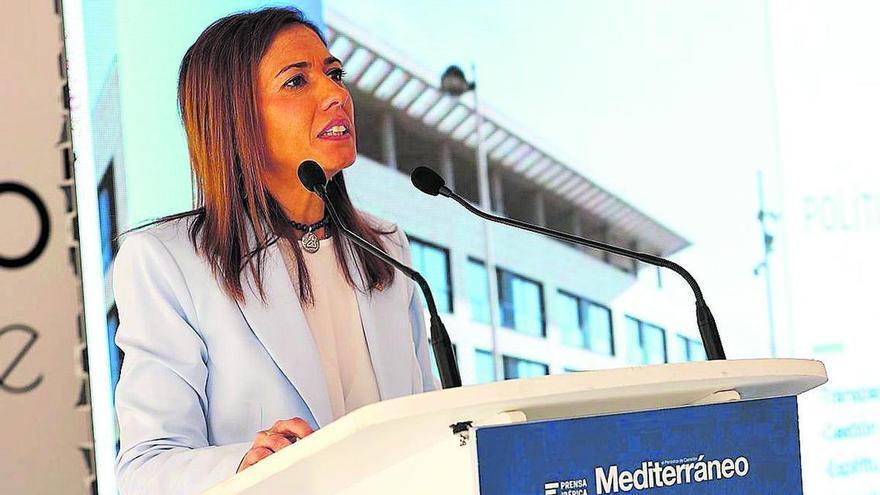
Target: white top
{"type": "Point", "coordinates": [335, 323]}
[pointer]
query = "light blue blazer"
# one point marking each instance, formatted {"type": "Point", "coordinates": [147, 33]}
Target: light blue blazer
{"type": "Point", "coordinates": [203, 374]}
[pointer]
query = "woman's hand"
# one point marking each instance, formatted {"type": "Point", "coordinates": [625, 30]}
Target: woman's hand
{"type": "Point", "coordinates": [283, 433]}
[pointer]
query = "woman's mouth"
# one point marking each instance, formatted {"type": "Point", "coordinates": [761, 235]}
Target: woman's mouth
{"type": "Point", "coordinates": [335, 130]}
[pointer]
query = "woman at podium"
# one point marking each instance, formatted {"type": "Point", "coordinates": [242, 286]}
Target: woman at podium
{"type": "Point", "coordinates": [247, 322]}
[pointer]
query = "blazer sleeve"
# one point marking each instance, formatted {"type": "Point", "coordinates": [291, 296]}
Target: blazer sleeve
{"type": "Point", "coordinates": [161, 403]}
{"type": "Point", "coordinates": [417, 319]}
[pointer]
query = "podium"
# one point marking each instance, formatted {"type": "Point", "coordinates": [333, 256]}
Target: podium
{"type": "Point", "coordinates": [700, 427]}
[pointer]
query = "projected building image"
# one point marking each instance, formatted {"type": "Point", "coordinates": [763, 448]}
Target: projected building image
{"type": "Point", "coordinates": [557, 307]}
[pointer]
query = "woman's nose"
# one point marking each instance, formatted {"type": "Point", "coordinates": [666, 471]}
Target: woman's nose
{"type": "Point", "coordinates": [336, 95]}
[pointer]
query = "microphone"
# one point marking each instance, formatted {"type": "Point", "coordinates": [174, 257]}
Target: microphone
{"type": "Point", "coordinates": [312, 177]}
{"type": "Point", "coordinates": [430, 182]}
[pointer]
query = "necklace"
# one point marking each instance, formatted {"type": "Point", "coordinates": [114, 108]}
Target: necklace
{"type": "Point", "coordinates": [310, 242]}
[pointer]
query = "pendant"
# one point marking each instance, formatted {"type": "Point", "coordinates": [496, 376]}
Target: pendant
{"type": "Point", "coordinates": [310, 243]}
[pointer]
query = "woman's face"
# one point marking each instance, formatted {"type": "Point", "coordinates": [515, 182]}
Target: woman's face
{"type": "Point", "coordinates": [305, 109]}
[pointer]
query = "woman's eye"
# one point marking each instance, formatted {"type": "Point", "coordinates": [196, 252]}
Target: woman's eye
{"type": "Point", "coordinates": [295, 81]}
{"type": "Point", "coordinates": [337, 75]}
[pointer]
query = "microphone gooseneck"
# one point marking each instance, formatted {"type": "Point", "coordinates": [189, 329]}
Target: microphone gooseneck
{"type": "Point", "coordinates": [312, 177]}
{"type": "Point", "coordinates": [430, 182]}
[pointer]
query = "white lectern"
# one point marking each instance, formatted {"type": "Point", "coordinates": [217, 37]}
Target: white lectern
{"type": "Point", "coordinates": [409, 444]}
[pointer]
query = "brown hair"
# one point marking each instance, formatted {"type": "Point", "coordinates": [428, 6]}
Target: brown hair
{"type": "Point", "coordinates": [217, 99]}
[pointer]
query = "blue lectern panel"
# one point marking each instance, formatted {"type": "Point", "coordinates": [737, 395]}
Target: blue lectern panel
{"type": "Point", "coordinates": [738, 448]}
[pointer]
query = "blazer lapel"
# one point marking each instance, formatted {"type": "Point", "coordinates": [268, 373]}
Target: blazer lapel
{"type": "Point", "coordinates": [281, 326]}
{"type": "Point", "coordinates": [387, 344]}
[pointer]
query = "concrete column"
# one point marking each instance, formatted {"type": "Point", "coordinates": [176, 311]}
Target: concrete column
{"type": "Point", "coordinates": [605, 229]}
{"type": "Point", "coordinates": [497, 187]}
{"type": "Point", "coordinates": [577, 222]}
{"type": "Point", "coordinates": [446, 164]}
{"type": "Point", "coordinates": [576, 227]}
{"type": "Point", "coordinates": [538, 208]}
{"type": "Point", "coordinates": [634, 264]}
{"type": "Point", "coordinates": [389, 147]}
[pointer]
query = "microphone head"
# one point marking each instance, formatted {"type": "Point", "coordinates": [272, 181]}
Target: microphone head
{"type": "Point", "coordinates": [311, 175]}
{"type": "Point", "coordinates": [427, 181]}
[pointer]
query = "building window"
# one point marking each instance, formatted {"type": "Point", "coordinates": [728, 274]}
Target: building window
{"type": "Point", "coordinates": [465, 175]}
{"type": "Point", "coordinates": [685, 349]}
{"type": "Point", "coordinates": [521, 303]}
{"type": "Point", "coordinates": [415, 146]}
{"type": "Point", "coordinates": [369, 132]}
{"type": "Point", "coordinates": [586, 324]}
{"type": "Point", "coordinates": [523, 368]}
{"type": "Point", "coordinates": [478, 290]}
{"type": "Point", "coordinates": [484, 370]}
{"type": "Point", "coordinates": [433, 263]}
{"type": "Point", "coordinates": [107, 217]}
{"type": "Point", "coordinates": [645, 343]}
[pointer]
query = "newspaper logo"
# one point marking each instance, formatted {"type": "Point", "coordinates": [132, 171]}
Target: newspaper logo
{"type": "Point", "coordinates": [567, 487]}
{"type": "Point", "coordinates": [653, 474]}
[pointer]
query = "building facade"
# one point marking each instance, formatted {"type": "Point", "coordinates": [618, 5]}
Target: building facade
{"type": "Point", "coordinates": [558, 307]}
